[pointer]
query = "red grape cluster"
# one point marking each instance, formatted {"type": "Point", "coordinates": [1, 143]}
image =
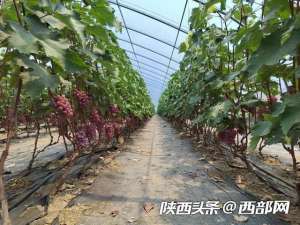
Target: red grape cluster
{"type": "Point", "coordinates": [81, 139]}
{"type": "Point", "coordinates": [109, 131]}
{"type": "Point", "coordinates": [114, 109]}
{"type": "Point", "coordinates": [117, 128]}
{"type": "Point", "coordinates": [272, 99]}
{"type": "Point", "coordinates": [228, 136]}
{"type": "Point", "coordinates": [62, 104]}
{"type": "Point", "coordinates": [90, 131]}
{"type": "Point", "coordinates": [96, 118]}
{"type": "Point", "coordinates": [82, 97]}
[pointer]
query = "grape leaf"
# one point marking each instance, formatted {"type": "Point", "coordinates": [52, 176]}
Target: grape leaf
{"type": "Point", "coordinates": [292, 100]}
{"type": "Point", "coordinates": [22, 40]}
{"type": "Point", "coordinates": [253, 142]}
{"type": "Point", "coordinates": [278, 109]}
{"type": "Point", "coordinates": [290, 117]}
{"type": "Point", "coordinates": [27, 41]}
{"type": "Point", "coordinates": [36, 78]}
{"type": "Point", "coordinates": [103, 13]}
{"type": "Point", "coordinates": [73, 62]}
{"type": "Point", "coordinates": [271, 50]}
{"type": "Point", "coordinates": [261, 128]}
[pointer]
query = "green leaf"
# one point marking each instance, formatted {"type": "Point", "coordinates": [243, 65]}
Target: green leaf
{"type": "Point", "coordinates": [250, 38]}
{"type": "Point", "coordinates": [36, 78]}
{"type": "Point", "coordinates": [253, 143]}
{"type": "Point", "coordinates": [232, 75]}
{"type": "Point", "coordinates": [290, 117]}
{"type": "Point", "coordinates": [211, 3]}
{"type": "Point", "coordinates": [193, 100]}
{"type": "Point", "coordinates": [64, 18]}
{"type": "Point", "coordinates": [292, 100]}
{"type": "Point", "coordinates": [22, 40]}
{"type": "Point", "coordinates": [184, 46]}
{"type": "Point", "coordinates": [275, 9]}
{"type": "Point", "coordinates": [261, 128]}
{"type": "Point", "coordinates": [27, 41]}
{"type": "Point", "coordinates": [74, 63]}
{"type": "Point", "coordinates": [198, 18]}
{"type": "Point", "coordinates": [103, 13]}
{"type": "Point", "coordinates": [223, 5]}
{"type": "Point", "coordinates": [79, 28]}
{"type": "Point", "coordinates": [74, 24]}
{"type": "Point", "coordinates": [212, 9]}
{"type": "Point", "coordinates": [278, 109]}
{"type": "Point", "coordinates": [271, 50]}
{"type": "Point", "coordinates": [51, 20]}
{"type": "Point", "coordinates": [99, 32]}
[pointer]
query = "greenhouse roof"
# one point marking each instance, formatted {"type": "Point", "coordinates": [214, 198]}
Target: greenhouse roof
{"type": "Point", "coordinates": [152, 33]}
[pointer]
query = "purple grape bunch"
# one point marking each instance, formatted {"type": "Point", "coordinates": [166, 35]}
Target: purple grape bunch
{"type": "Point", "coordinates": [82, 97]}
{"type": "Point", "coordinates": [117, 128]}
{"type": "Point", "coordinates": [90, 131]}
{"type": "Point", "coordinates": [63, 106]}
{"type": "Point", "coordinates": [227, 136]}
{"type": "Point", "coordinates": [114, 109]}
{"type": "Point", "coordinates": [81, 139]}
{"type": "Point", "coordinates": [109, 131]}
{"type": "Point", "coordinates": [96, 118]}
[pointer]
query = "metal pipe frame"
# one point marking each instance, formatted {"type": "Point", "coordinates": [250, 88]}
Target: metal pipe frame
{"type": "Point", "coordinates": [153, 85]}
{"type": "Point", "coordinates": [149, 16]}
{"type": "Point", "coordinates": [179, 29]}
{"type": "Point", "coordinates": [151, 75]}
{"type": "Point", "coordinates": [146, 64]}
{"type": "Point", "coordinates": [127, 31]}
{"type": "Point", "coordinates": [148, 78]}
{"type": "Point", "coordinates": [152, 72]}
{"type": "Point", "coordinates": [176, 39]}
{"type": "Point", "coordinates": [221, 12]}
{"type": "Point", "coordinates": [149, 36]}
{"type": "Point", "coordinates": [148, 49]}
{"type": "Point", "coordinates": [155, 61]}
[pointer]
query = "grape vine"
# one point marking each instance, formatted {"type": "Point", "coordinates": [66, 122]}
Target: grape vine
{"type": "Point", "coordinates": [239, 84]}
{"type": "Point", "coordinates": [62, 69]}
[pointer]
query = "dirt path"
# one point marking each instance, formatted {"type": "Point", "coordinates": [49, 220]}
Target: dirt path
{"type": "Point", "coordinates": [157, 166]}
